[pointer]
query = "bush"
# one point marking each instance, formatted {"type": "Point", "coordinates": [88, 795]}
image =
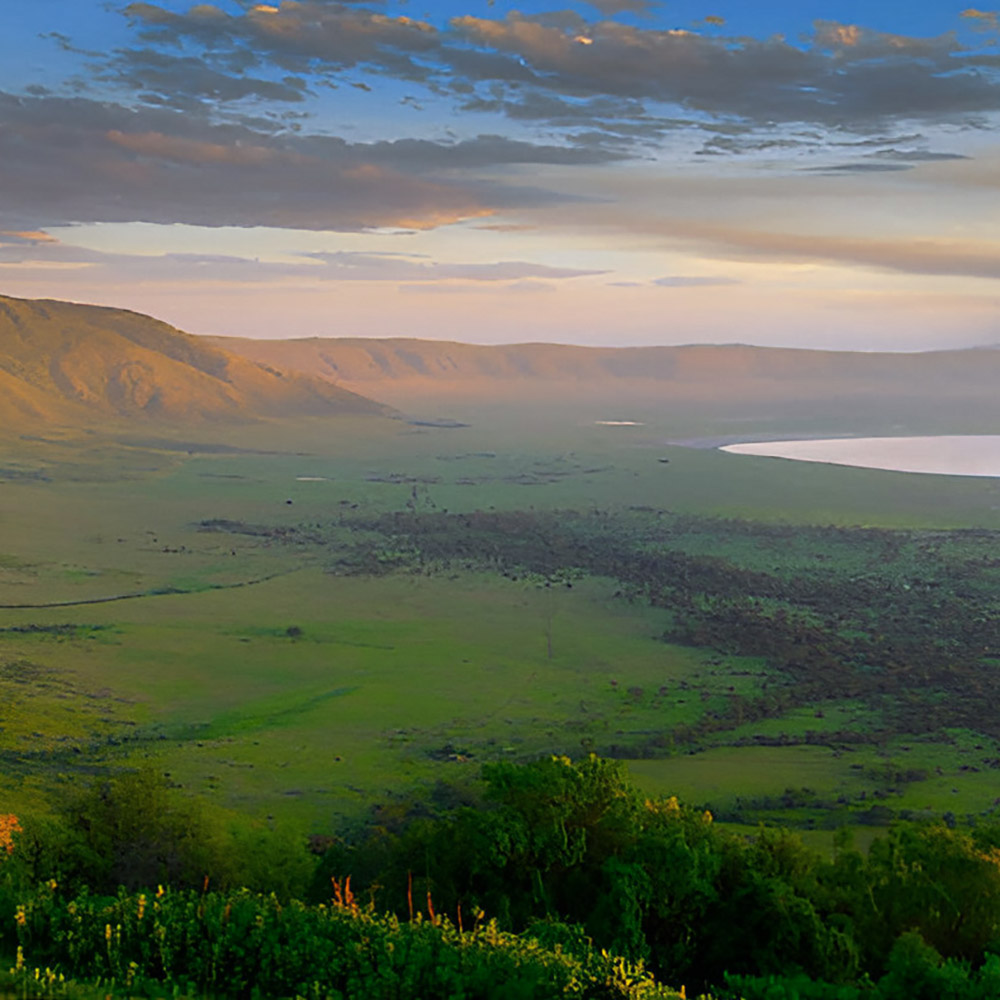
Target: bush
{"type": "Point", "coordinates": [241, 944]}
{"type": "Point", "coordinates": [135, 831]}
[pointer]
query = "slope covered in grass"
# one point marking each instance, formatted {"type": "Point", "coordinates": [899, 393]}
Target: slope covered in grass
{"type": "Point", "coordinates": [61, 362]}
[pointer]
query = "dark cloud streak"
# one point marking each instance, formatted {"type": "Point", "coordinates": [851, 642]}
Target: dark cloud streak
{"type": "Point", "coordinates": [65, 160]}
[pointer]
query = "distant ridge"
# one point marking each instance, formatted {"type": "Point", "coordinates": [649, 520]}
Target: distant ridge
{"type": "Point", "coordinates": [396, 368]}
{"type": "Point", "coordinates": [67, 363]}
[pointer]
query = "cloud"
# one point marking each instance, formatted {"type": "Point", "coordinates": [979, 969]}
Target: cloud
{"type": "Point", "coordinates": [558, 67]}
{"type": "Point", "coordinates": [66, 160]}
{"type": "Point", "coordinates": [511, 287]}
{"type": "Point", "coordinates": [299, 36]}
{"type": "Point", "coordinates": [369, 267]}
{"type": "Point", "coordinates": [917, 155]}
{"type": "Point", "coordinates": [917, 256]}
{"type": "Point", "coordinates": [311, 268]}
{"type": "Point", "coordinates": [202, 133]}
{"type": "Point", "coordinates": [887, 161]}
{"type": "Point", "coordinates": [188, 83]}
{"type": "Point", "coordinates": [198, 152]}
{"type": "Point", "coordinates": [694, 281]}
{"type": "Point", "coordinates": [613, 124]}
{"type": "Point", "coordinates": [485, 151]}
{"type": "Point", "coordinates": [983, 20]}
{"type": "Point", "coordinates": [29, 238]}
{"type": "Point", "coordinates": [609, 8]}
{"type": "Point", "coordinates": [858, 168]}
{"type": "Point", "coordinates": [846, 75]}
{"type": "Point", "coordinates": [531, 287]}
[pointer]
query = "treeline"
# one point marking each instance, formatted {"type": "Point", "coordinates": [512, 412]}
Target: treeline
{"type": "Point", "coordinates": [556, 867]}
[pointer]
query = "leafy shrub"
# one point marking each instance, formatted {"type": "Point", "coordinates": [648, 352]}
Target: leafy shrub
{"type": "Point", "coordinates": [241, 944]}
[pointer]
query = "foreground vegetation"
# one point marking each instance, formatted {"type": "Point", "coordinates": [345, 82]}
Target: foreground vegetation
{"type": "Point", "coordinates": [526, 892]}
{"type": "Point", "coordinates": [240, 945]}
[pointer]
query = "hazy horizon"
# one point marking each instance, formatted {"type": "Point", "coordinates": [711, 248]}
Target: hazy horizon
{"type": "Point", "coordinates": [513, 343]}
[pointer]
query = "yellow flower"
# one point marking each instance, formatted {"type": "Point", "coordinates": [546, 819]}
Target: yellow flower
{"type": "Point", "coordinates": [142, 906]}
{"type": "Point", "coordinates": [53, 884]}
{"type": "Point", "coordinates": [20, 917]}
{"type": "Point", "coordinates": [20, 959]}
{"type": "Point", "coordinates": [160, 892]}
{"type": "Point", "coordinates": [706, 816]}
{"type": "Point", "coordinates": [107, 932]}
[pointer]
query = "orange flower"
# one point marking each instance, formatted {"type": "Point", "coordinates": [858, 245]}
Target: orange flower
{"type": "Point", "coordinates": [8, 827]}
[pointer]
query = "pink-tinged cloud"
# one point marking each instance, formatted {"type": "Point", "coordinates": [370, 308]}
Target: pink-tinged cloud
{"type": "Point", "coordinates": [29, 237]}
{"type": "Point", "coordinates": [313, 268]}
{"type": "Point", "coordinates": [939, 256]}
{"type": "Point", "coordinates": [158, 146]}
{"type": "Point", "coordinates": [985, 20]}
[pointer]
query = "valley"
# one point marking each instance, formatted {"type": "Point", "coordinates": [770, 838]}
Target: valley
{"type": "Point", "coordinates": [275, 614]}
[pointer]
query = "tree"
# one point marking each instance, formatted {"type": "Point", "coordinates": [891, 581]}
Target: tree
{"type": "Point", "coordinates": [133, 830]}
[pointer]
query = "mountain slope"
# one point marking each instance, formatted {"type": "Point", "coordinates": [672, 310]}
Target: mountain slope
{"type": "Point", "coordinates": [60, 361]}
{"type": "Point", "coordinates": [394, 368]}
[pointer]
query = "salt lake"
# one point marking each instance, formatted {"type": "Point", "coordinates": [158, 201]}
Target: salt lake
{"type": "Point", "coordinates": [950, 455]}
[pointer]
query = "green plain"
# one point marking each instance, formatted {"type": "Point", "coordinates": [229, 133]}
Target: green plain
{"type": "Point", "coordinates": [250, 673]}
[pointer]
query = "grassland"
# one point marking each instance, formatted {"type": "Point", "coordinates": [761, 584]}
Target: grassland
{"type": "Point", "coordinates": [257, 670]}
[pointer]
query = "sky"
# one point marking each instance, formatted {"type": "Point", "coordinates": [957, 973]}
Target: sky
{"type": "Point", "coordinates": [800, 173]}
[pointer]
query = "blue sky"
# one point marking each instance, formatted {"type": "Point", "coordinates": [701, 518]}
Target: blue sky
{"type": "Point", "coordinates": [819, 174]}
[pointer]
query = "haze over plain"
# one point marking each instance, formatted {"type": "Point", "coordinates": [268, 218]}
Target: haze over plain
{"type": "Point", "coordinates": [437, 484]}
{"type": "Point", "coordinates": [618, 173]}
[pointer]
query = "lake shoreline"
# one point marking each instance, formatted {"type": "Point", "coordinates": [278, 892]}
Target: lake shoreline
{"type": "Point", "coordinates": [719, 442]}
{"type": "Point", "coordinates": [967, 455]}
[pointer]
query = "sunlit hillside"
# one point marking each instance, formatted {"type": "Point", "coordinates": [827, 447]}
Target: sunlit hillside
{"type": "Point", "coordinates": [61, 362]}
